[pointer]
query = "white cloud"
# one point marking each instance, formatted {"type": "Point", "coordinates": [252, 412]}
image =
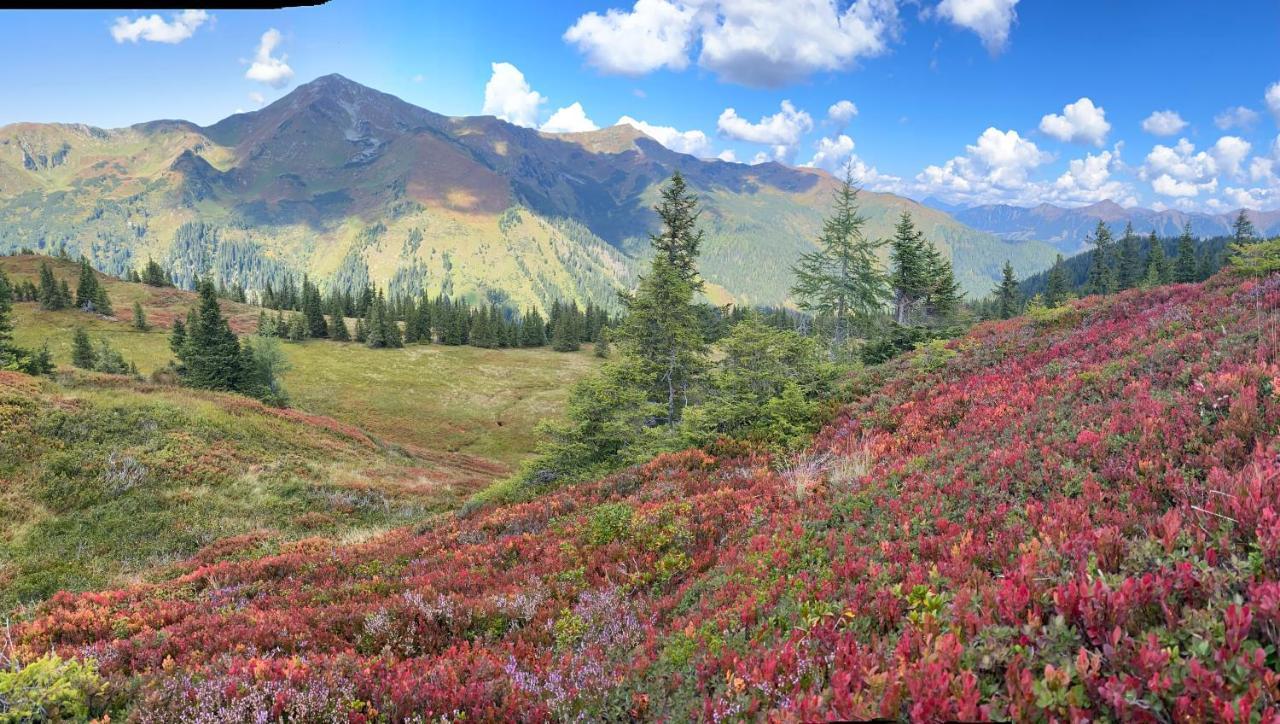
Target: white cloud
{"type": "Point", "coordinates": [1164, 123]}
{"type": "Point", "coordinates": [655, 34]}
{"type": "Point", "coordinates": [570, 119]}
{"type": "Point", "coordinates": [1179, 170]}
{"type": "Point", "coordinates": [728, 155]}
{"type": "Point", "coordinates": [1229, 153]}
{"type": "Point", "coordinates": [1273, 99]}
{"type": "Point", "coordinates": [156, 29]}
{"type": "Point", "coordinates": [267, 68]}
{"type": "Point", "coordinates": [760, 158]}
{"type": "Point", "coordinates": [842, 112]}
{"type": "Point", "coordinates": [694, 143]}
{"type": "Point", "coordinates": [832, 153]}
{"type": "Point", "coordinates": [508, 96]}
{"type": "Point", "coordinates": [995, 168]}
{"type": "Point", "coordinates": [751, 42]}
{"type": "Point", "coordinates": [1088, 180]}
{"type": "Point", "coordinates": [1080, 122]}
{"type": "Point", "coordinates": [257, 97]}
{"type": "Point", "coordinates": [782, 130]}
{"type": "Point", "coordinates": [990, 19]}
{"type": "Point", "coordinates": [1238, 117]}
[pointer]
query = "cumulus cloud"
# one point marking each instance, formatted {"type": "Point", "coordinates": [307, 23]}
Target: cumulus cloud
{"type": "Point", "coordinates": [158, 30]}
{"type": "Point", "coordinates": [1273, 99]}
{"type": "Point", "coordinates": [990, 19]}
{"type": "Point", "coordinates": [841, 113]}
{"type": "Point", "coordinates": [832, 153]}
{"type": "Point", "coordinates": [1238, 117]}
{"type": "Point", "coordinates": [570, 119]}
{"type": "Point", "coordinates": [1229, 152]}
{"type": "Point", "coordinates": [751, 42]}
{"type": "Point", "coordinates": [1088, 180]}
{"type": "Point", "coordinates": [1179, 171]}
{"type": "Point", "coordinates": [257, 98]}
{"type": "Point", "coordinates": [728, 155]}
{"type": "Point", "coordinates": [1080, 122]}
{"type": "Point", "coordinates": [508, 96]}
{"type": "Point", "coordinates": [782, 130]}
{"type": "Point", "coordinates": [655, 34]}
{"type": "Point", "coordinates": [1164, 123]}
{"type": "Point", "coordinates": [995, 168]}
{"type": "Point", "coordinates": [694, 143]}
{"type": "Point", "coordinates": [266, 68]}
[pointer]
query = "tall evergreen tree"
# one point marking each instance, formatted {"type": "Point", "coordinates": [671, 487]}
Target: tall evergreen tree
{"type": "Point", "coordinates": [1158, 269]}
{"type": "Point", "coordinates": [661, 334]}
{"type": "Point", "coordinates": [911, 276]}
{"type": "Point", "coordinates": [680, 239]}
{"type": "Point", "coordinates": [944, 295]}
{"type": "Point", "coordinates": [1184, 266]}
{"type": "Point", "coordinates": [1102, 276]}
{"type": "Point", "coordinates": [1008, 300]}
{"type": "Point", "coordinates": [842, 278]}
{"type": "Point", "coordinates": [313, 310]}
{"type": "Point", "coordinates": [211, 355]}
{"type": "Point", "coordinates": [140, 318]}
{"type": "Point", "coordinates": [1242, 230]}
{"type": "Point", "coordinates": [338, 324]}
{"type": "Point", "coordinates": [82, 352]}
{"type": "Point", "coordinates": [1129, 265]}
{"type": "Point", "coordinates": [533, 331]}
{"type": "Point", "coordinates": [1056, 287]}
{"type": "Point", "coordinates": [7, 352]}
{"type": "Point", "coordinates": [52, 296]}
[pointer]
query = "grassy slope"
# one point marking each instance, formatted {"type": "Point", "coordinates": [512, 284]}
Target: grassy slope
{"type": "Point", "coordinates": [1066, 517]}
{"type": "Point", "coordinates": [446, 399]}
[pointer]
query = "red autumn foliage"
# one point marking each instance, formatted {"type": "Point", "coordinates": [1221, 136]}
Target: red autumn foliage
{"type": "Point", "coordinates": [1070, 519]}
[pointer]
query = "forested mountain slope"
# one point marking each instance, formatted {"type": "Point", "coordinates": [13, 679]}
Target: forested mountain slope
{"type": "Point", "coordinates": [1067, 516]}
{"type": "Point", "coordinates": [351, 185]}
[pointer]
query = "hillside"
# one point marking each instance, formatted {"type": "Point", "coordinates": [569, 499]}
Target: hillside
{"type": "Point", "coordinates": [481, 403]}
{"type": "Point", "coordinates": [1069, 228]}
{"type": "Point", "coordinates": [1071, 517]}
{"type": "Point", "coordinates": [349, 185]}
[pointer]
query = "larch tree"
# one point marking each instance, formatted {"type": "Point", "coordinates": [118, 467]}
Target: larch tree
{"type": "Point", "coordinates": [842, 278]}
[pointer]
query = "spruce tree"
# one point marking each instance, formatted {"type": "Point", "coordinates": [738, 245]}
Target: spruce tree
{"type": "Point", "coordinates": [1007, 297]}
{"type": "Point", "coordinates": [140, 318]}
{"type": "Point", "coordinates": [178, 337]}
{"type": "Point", "coordinates": [51, 295]}
{"type": "Point", "coordinates": [82, 352]}
{"type": "Point", "coordinates": [1129, 266]}
{"type": "Point", "coordinates": [910, 277]}
{"type": "Point", "coordinates": [1102, 276]}
{"type": "Point", "coordinates": [87, 288]}
{"type": "Point", "coordinates": [661, 334]}
{"type": "Point", "coordinates": [841, 279]}
{"type": "Point", "coordinates": [533, 331]}
{"type": "Point", "coordinates": [1242, 230]}
{"type": "Point", "coordinates": [6, 321]}
{"type": "Point", "coordinates": [1158, 270]}
{"type": "Point", "coordinates": [944, 295]}
{"type": "Point", "coordinates": [211, 355]}
{"type": "Point", "coordinates": [1056, 288]}
{"type": "Point", "coordinates": [338, 325]}
{"type": "Point", "coordinates": [680, 239]}
{"type": "Point", "coordinates": [64, 295]}
{"type": "Point", "coordinates": [1184, 267]}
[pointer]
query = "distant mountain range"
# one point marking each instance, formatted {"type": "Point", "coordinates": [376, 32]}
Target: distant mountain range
{"type": "Point", "coordinates": [1067, 229]}
{"type": "Point", "coordinates": [351, 185]}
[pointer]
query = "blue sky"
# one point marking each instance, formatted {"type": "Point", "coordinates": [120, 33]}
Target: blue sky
{"type": "Point", "coordinates": [972, 101]}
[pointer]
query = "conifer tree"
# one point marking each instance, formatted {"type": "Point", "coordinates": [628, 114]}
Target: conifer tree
{"type": "Point", "coordinates": [361, 335]}
{"type": "Point", "coordinates": [1184, 267]}
{"type": "Point", "coordinates": [82, 352]}
{"type": "Point", "coordinates": [841, 279]}
{"type": "Point", "coordinates": [1101, 278]}
{"type": "Point", "coordinates": [87, 288]}
{"type": "Point", "coordinates": [51, 296]}
{"type": "Point", "coordinates": [7, 351]}
{"type": "Point", "coordinates": [1242, 230]}
{"type": "Point", "coordinates": [1055, 292]}
{"type": "Point", "coordinates": [680, 239]}
{"type": "Point", "coordinates": [661, 334]}
{"type": "Point", "coordinates": [178, 337]}
{"type": "Point", "coordinates": [140, 318]}
{"type": "Point", "coordinates": [533, 331]}
{"type": "Point", "coordinates": [211, 355]}
{"type": "Point", "coordinates": [1007, 296]}
{"type": "Point", "coordinates": [313, 310]}
{"type": "Point", "coordinates": [1130, 271]}
{"type": "Point", "coordinates": [602, 344]}
{"type": "Point", "coordinates": [944, 295]}
{"type": "Point", "coordinates": [1158, 270]}
{"type": "Point", "coordinates": [910, 277]}
{"type": "Point", "coordinates": [338, 324]}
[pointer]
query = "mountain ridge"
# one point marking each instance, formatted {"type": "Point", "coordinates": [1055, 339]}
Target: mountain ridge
{"type": "Point", "coordinates": [348, 184]}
